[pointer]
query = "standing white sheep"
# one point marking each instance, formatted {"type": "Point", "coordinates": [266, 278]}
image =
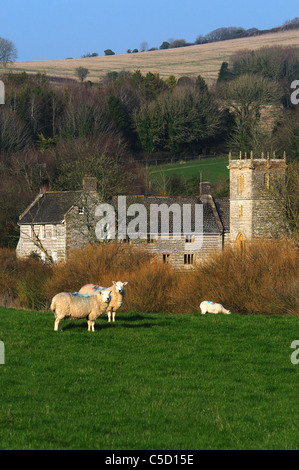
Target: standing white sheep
{"type": "Point", "coordinates": [76, 306]}
{"type": "Point", "coordinates": [210, 307]}
{"type": "Point", "coordinates": [117, 295]}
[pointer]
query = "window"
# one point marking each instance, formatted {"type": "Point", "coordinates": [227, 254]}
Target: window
{"type": "Point", "coordinates": [54, 231]}
{"type": "Point", "coordinates": [167, 258]}
{"type": "Point", "coordinates": [127, 240]}
{"type": "Point", "coordinates": [241, 183]}
{"type": "Point", "coordinates": [43, 231]}
{"type": "Point", "coordinates": [240, 210]}
{"type": "Point", "coordinates": [188, 258]}
{"type": "Point", "coordinates": [81, 210]}
{"type": "Point", "coordinates": [189, 239]}
{"type": "Point", "coordinates": [268, 181]}
{"type": "Point", "coordinates": [150, 240]}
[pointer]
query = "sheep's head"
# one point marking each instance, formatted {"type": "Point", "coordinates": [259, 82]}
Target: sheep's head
{"type": "Point", "coordinates": [106, 295]}
{"type": "Point", "coordinates": [120, 286]}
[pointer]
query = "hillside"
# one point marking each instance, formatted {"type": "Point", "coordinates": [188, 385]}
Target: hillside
{"type": "Point", "coordinates": [203, 59]}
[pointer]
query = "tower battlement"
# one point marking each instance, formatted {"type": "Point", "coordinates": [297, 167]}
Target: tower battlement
{"type": "Point", "coordinates": [262, 162]}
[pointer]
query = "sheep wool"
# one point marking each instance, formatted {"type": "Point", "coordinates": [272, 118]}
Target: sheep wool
{"type": "Point", "coordinates": [76, 306]}
{"type": "Point", "coordinates": [117, 295]}
{"type": "Point", "coordinates": [211, 307]}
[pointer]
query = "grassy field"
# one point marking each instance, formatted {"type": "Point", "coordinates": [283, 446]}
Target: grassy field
{"type": "Point", "coordinates": [211, 169]}
{"type": "Point", "coordinates": [151, 381]}
{"type": "Point", "coordinates": [204, 59]}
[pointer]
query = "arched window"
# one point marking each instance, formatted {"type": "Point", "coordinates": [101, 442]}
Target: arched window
{"type": "Point", "coordinates": [240, 240]}
{"type": "Point", "coordinates": [268, 180]}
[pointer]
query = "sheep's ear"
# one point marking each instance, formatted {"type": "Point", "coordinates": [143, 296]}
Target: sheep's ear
{"type": "Point", "coordinates": [125, 283]}
{"type": "Point", "coordinates": [113, 282]}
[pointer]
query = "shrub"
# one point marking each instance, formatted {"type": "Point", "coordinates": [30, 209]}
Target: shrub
{"type": "Point", "coordinates": [22, 280]}
{"type": "Point", "coordinates": [262, 279]}
{"type": "Point", "coordinates": [96, 264]}
{"type": "Point", "coordinates": [30, 284]}
{"type": "Point", "coordinates": [8, 276]}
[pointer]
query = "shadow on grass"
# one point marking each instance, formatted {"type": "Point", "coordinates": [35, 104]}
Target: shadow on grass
{"type": "Point", "coordinates": [122, 321]}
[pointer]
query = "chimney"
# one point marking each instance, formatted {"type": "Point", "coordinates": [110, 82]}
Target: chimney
{"type": "Point", "coordinates": [44, 185]}
{"type": "Point", "coordinates": [89, 183]}
{"type": "Point", "coordinates": [205, 188]}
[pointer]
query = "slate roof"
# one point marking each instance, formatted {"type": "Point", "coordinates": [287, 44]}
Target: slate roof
{"type": "Point", "coordinates": [49, 207]}
{"type": "Point", "coordinates": [223, 208]}
{"type": "Point", "coordinates": [210, 224]}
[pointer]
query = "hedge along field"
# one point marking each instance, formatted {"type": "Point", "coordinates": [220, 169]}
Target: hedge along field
{"type": "Point", "coordinates": [149, 381]}
{"type": "Point", "coordinates": [262, 280]}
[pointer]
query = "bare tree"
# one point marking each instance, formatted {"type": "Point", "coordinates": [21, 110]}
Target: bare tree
{"type": "Point", "coordinates": [8, 52]}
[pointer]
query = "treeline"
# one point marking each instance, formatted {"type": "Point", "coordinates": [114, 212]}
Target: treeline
{"type": "Point", "coordinates": [224, 34]}
{"type": "Point", "coordinates": [219, 34]}
{"type": "Point", "coordinates": [61, 131]}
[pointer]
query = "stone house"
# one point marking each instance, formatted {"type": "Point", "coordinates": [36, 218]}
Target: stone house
{"type": "Point", "coordinates": [57, 222]}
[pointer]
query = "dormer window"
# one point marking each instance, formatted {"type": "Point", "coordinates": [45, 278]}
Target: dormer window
{"type": "Point", "coordinates": [80, 210]}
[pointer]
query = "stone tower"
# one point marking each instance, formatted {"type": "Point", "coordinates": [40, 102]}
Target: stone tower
{"type": "Point", "coordinates": [254, 209]}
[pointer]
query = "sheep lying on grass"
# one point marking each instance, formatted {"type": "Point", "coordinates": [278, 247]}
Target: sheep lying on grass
{"type": "Point", "coordinates": [210, 307]}
{"type": "Point", "coordinates": [76, 306]}
{"type": "Point", "coordinates": [117, 295]}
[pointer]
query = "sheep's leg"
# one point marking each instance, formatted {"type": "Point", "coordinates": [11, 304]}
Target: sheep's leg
{"type": "Point", "coordinates": [88, 325]}
{"type": "Point", "coordinates": [56, 325]}
{"type": "Point", "coordinates": [109, 316]}
{"type": "Point", "coordinates": [92, 325]}
{"type": "Point", "coordinates": [113, 316]}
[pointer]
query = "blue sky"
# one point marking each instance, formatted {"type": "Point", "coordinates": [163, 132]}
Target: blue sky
{"type": "Point", "coordinates": [56, 29]}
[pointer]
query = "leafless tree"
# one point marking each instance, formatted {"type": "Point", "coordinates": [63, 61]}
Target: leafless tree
{"type": "Point", "coordinates": [8, 52]}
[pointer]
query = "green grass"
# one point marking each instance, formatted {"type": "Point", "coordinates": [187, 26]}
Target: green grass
{"type": "Point", "coordinates": [149, 382]}
{"type": "Point", "coordinates": [212, 169]}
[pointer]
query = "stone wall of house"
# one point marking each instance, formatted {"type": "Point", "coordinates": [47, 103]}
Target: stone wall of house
{"type": "Point", "coordinates": [179, 253]}
{"type": "Point", "coordinates": [52, 238]}
{"type": "Point", "coordinates": [80, 223]}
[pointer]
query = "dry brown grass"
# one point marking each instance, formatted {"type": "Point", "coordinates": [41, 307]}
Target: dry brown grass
{"type": "Point", "coordinates": [262, 280]}
{"type": "Point", "coordinates": [202, 59]}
